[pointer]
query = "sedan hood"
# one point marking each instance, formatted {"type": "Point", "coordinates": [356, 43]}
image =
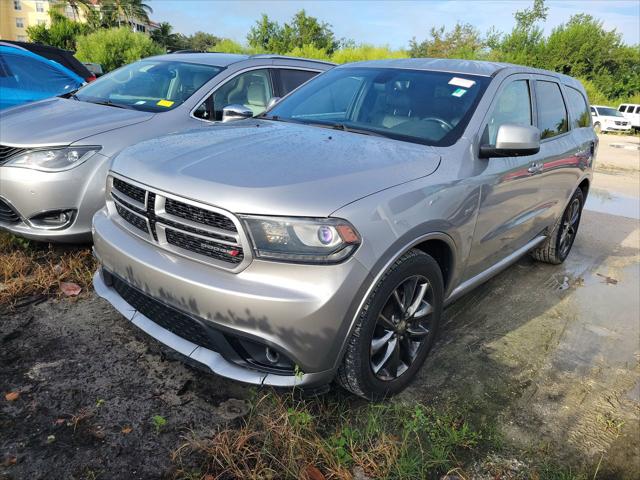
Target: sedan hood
{"type": "Point", "coordinates": [273, 168]}
{"type": "Point", "coordinates": [61, 121]}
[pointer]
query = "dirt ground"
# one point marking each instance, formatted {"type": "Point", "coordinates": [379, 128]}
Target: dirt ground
{"type": "Point", "coordinates": [550, 355]}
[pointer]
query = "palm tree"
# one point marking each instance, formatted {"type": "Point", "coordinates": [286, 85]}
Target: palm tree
{"type": "Point", "coordinates": [127, 10]}
{"type": "Point", "coordinates": [163, 36]}
{"type": "Point", "coordinates": [76, 6]}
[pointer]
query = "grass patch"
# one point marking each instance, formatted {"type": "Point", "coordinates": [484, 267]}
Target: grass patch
{"type": "Point", "coordinates": [36, 269]}
{"type": "Point", "coordinates": [334, 438]}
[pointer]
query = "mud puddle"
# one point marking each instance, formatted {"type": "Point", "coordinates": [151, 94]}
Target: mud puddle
{"type": "Point", "coordinates": [604, 201]}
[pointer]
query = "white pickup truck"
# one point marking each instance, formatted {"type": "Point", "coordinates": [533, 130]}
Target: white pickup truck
{"type": "Point", "coordinates": [631, 111]}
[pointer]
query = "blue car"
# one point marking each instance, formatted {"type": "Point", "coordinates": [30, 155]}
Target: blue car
{"type": "Point", "coordinates": [27, 77]}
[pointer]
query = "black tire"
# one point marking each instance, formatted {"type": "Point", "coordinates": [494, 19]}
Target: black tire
{"type": "Point", "coordinates": [356, 374]}
{"type": "Point", "coordinates": [557, 246]}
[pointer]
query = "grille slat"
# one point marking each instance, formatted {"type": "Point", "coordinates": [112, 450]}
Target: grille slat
{"type": "Point", "coordinates": [7, 152]}
{"type": "Point", "coordinates": [167, 317]}
{"type": "Point", "coordinates": [132, 218]}
{"type": "Point", "coordinates": [198, 215]}
{"type": "Point", "coordinates": [221, 245]}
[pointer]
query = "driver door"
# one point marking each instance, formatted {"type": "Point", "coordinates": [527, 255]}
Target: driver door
{"type": "Point", "coordinates": [507, 211]}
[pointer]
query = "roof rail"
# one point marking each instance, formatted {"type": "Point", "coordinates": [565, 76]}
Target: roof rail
{"type": "Point", "coordinates": [287, 57]}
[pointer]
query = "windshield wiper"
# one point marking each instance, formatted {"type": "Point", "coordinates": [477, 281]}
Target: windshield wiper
{"type": "Point", "coordinates": [345, 128]}
{"type": "Point", "coordinates": [109, 103]}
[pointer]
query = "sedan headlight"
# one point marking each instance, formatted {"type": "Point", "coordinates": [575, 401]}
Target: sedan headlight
{"type": "Point", "coordinates": [302, 240]}
{"type": "Point", "coordinates": [52, 159]}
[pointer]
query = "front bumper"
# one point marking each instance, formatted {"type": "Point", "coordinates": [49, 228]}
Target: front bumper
{"type": "Point", "coordinates": [31, 192]}
{"type": "Point", "coordinates": [615, 128]}
{"type": "Point", "coordinates": [304, 312]}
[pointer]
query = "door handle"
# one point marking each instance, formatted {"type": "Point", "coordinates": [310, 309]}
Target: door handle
{"type": "Point", "coordinates": [535, 168]}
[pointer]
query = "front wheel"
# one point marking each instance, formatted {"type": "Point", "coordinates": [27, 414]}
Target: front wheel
{"type": "Point", "coordinates": [395, 329]}
{"type": "Point", "coordinates": [558, 244]}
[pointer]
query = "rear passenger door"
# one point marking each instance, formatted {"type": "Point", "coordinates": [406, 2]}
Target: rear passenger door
{"type": "Point", "coordinates": [562, 148]}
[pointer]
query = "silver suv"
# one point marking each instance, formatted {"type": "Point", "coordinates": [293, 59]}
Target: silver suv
{"type": "Point", "coordinates": [323, 239]}
{"type": "Point", "coordinates": [54, 154]}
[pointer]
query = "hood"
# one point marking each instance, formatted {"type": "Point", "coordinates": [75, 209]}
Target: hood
{"type": "Point", "coordinates": [62, 121]}
{"type": "Point", "coordinates": [274, 168]}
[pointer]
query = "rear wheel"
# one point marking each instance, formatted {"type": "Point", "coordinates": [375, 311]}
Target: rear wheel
{"type": "Point", "coordinates": [396, 328]}
{"type": "Point", "coordinates": [557, 246]}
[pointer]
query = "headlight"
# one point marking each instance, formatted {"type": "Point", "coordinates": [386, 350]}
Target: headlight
{"type": "Point", "coordinates": [302, 240]}
{"type": "Point", "coordinates": [52, 159]}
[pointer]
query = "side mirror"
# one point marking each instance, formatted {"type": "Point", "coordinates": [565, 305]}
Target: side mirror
{"type": "Point", "coordinates": [272, 102]}
{"type": "Point", "coordinates": [235, 112]}
{"type": "Point", "coordinates": [513, 141]}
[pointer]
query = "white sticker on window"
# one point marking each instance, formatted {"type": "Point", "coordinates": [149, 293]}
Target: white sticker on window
{"type": "Point", "coordinates": [462, 82]}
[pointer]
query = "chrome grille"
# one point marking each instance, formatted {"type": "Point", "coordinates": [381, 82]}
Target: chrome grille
{"type": "Point", "coordinates": [203, 233]}
{"type": "Point", "coordinates": [7, 152]}
{"type": "Point", "coordinates": [199, 215]}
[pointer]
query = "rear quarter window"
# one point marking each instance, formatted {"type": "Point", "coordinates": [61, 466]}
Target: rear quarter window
{"type": "Point", "coordinates": [579, 109]}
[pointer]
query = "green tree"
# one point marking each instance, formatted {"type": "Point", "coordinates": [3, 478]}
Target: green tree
{"type": "Point", "coordinates": [583, 48]}
{"type": "Point", "coordinates": [164, 36]}
{"type": "Point", "coordinates": [114, 12]}
{"type": "Point", "coordinates": [525, 43]}
{"type": "Point", "coordinates": [115, 47]}
{"type": "Point", "coordinates": [62, 32]}
{"type": "Point", "coordinates": [264, 34]}
{"type": "Point", "coordinates": [301, 32]}
{"type": "Point", "coordinates": [202, 41]}
{"type": "Point", "coordinates": [462, 41]}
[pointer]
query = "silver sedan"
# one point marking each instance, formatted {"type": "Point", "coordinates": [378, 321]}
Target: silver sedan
{"type": "Point", "coordinates": [54, 154]}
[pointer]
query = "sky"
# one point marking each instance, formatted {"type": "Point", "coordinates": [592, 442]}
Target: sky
{"type": "Point", "coordinates": [392, 23]}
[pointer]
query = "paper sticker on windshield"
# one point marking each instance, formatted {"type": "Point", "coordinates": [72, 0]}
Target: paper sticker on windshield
{"type": "Point", "coordinates": [458, 92]}
{"type": "Point", "coordinates": [461, 82]}
{"type": "Point", "coordinates": [164, 103]}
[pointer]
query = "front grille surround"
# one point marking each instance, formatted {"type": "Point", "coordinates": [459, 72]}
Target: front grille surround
{"type": "Point", "coordinates": [212, 236]}
{"type": "Point", "coordinates": [7, 213]}
{"type": "Point", "coordinates": [7, 151]}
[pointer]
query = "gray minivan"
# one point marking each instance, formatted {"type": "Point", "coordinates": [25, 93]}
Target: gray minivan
{"type": "Point", "coordinates": [322, 240]}
{"type": "Point", "coordinates": [54, 154]}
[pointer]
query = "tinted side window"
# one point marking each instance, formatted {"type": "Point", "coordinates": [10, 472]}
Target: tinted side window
{"type": "Point", "coordinates": [512, 106]}
{"type": "Point", "coordinates": [251, 89]}
{"type": "Point", "coordinates": [292, 79]}
{"type": "Point", "coordinates": [578, 107]}
{"type": "Point", "coordinates": [637, 109]}
{"type": "Point", "coordinates": [552, 114]}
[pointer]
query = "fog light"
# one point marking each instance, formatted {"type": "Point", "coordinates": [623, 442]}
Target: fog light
{"type": "Point", "coordinates": [271, 355]}
{"type": "Point", "coordinates": [263, 357]}
{"type": "Point", "coordinates": [53, 219]}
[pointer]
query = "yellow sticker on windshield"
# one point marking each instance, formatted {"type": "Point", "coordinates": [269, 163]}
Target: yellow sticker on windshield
{"type": "Point", "coordinates": [164, 103]}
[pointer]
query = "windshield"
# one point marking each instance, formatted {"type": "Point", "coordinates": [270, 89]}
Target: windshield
{"type": "Point", "coordinates": [148, 85]}
{"type": "Point", "coordinates": [609, 112]}
{"type": "Point", "coordinates": [426, 107]}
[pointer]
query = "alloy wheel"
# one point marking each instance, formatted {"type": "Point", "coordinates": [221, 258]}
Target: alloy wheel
{"type": "Point", "coordinates": [569, 227]}
{"type": "Point", "coordinates": [402, 328]}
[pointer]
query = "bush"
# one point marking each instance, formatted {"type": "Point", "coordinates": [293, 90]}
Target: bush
{"type": "Point", "coordinates": [62, 33]}
{"type": "Point", "coordinates": [366, 52]}
{"type": "Point", "coordinates": [309, 51]}
{"type": "Point", "coordinates": [115, 47]}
